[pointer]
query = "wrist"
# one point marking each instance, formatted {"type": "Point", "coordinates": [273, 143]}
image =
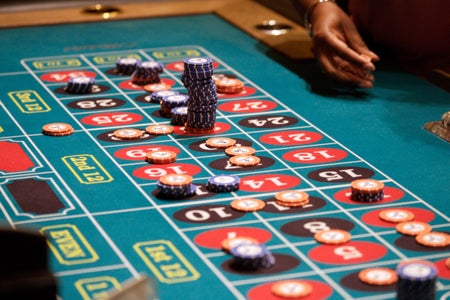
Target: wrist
{"type": "Point", "coordinates": [309, 11]}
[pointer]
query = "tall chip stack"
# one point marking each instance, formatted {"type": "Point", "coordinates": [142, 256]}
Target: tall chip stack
{"type": "Point", "coordinates": [202, 103]}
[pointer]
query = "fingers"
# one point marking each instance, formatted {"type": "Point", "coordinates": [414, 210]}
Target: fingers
{"type": "Point", "coordinates": [346, 72]}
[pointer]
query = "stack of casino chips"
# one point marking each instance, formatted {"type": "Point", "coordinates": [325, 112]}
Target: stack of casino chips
{"type": "Point", "coordinates": [416, 280]}
{"type": "Point", "coordinates": [223, 183]}
{"type": "Point", "coordinates": [147, 72]}
{"type": "Point", "coordinates": [367, 190]}
{"type": "Point", "coordinates": [156, 97]}
{"type": "Point", "coordinates": [169, 102]}
{"type": "Point", "coordinates": [126, 65]}
{"type": "Point", "coordinates": [251, 256]}
{"type": "Point", "coordinates": [79, 85]}
{"type": "Point", "coordinates": [202, 104]}
{"type": "Point", "coordinates": [175, 186]}
{"type": "Point", "coordinates": [179, 115]}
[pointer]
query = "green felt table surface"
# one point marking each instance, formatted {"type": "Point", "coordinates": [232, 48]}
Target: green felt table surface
{"type": "Point", "coordinates": [382, 125]}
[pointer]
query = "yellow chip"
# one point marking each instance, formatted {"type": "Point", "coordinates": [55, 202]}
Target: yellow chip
{"type": "Point", "coordinates": [378, 276]}
{"type": "Point", "coordinates": [396, 215]}
{"type": "Point", "coordinates": [291, 288]}
{"type": "Point", "coordinates": [332, 236]}
{"type": "Point", "coordinates": [248, 204]}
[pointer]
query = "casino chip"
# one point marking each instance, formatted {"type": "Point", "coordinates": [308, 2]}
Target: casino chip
{"type": "Point", "coordinates": [413, 228]}
{"type": "Point", "coordinates": [244, 160]}
{"type": "Point", "coordinates": [291, 288]}
{"type": "Point", "coordinates": [292, 198]}
{"type": "Point", "coordinates": [159, 129]}
{"type": "Point", "coordinates": [416, 280]}
{"type": "Point", "coordinates": [127, 133]}
{"type": "Point", "coordinates": [332, 236]}
{"type": "Point", "coordinates": [126, 65]}
{"type": "Point", "coordinates": [57, 129]}
{"type": "Point", "coordinates": [169, 102]}
{"type": "Point", "coordinates": [378, 276]}
{"type": "Point", "coordinates": [229, 85]}
{"type": "Point", "coordinates": [230, 243]}
{"type": "Point", "coordinates": [248, 204]}
{"type": "Point", "coordinates": [252, 256]}
{"type": "Point", "coordinates": [157, 96]}
{"type": "Point", "coordinates": [239, 150]}
{"type": "Point", "coordinates": [433, 239]}
{"type": "Point", "coordinates": [179, 115]}
{"type": "Point", "coordinates": [157, 87]}
{"type": "Point", "coordinates": [161, 157]}
{"type": "Point", "coordinates": [175, 186]}
{"type": "Point", "coordinates": [223, 183]}
{"type": "Point", "coordinates": [396, 215]}
{"type": "Point", "coordinates": [202, 103]}
{"type": "Point", "coordinates": [147, 72]}
{"type": "Point", "coordinates": [79, 85]}
{"type": "Point", "coordinates": [367, 190]}
{"type": "Point", "coordinates": [220, 142]}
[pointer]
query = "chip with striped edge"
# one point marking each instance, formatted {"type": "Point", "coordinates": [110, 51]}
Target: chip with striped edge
{"type": "Point", "coordinates": [248, 204]}
{"type": "Point", "coordinates": [291, 288]}
{"type": "Point", "coordinates": [378, 276]}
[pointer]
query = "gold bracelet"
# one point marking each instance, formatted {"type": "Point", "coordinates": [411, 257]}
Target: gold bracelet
{"type": "Point", "coordinates": [309, 11]}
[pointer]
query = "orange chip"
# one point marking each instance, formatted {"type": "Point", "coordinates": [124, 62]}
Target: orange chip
{"type": "Point", "coordinates": [57, 129]}
{"type": "Point", "coordinates": [159, 129]}
{"type": "Point", "coordinates": [220, 142]}
{"type": "Point", "coordinates": [128, 133]}
{"type": "Point", "coordinates": [396, 215]}
{"type": "Point", "coordinates": [378, 276]}
{"type": "Point", "coordinates": [176, 179]}
{"type": "Point", "coordinates": [248, 204]}
{"type": "Point", "coordinates": [447, 262]}
{"type": "Point", "coordinates": [291, 288]}
{"type": "Point", "coordinates": [332, 236]}
{"type": "Point", "coordinates": [239, 150]}
{"type": "Point", "coordinates": [230, 243]}
{"type": "Point", "coordinates": [292, 198]}
{"type": "Point", "coordinates": [433, 239]}
{"type": "Point", "coordinates": [413, 228]}
{"type": "Point", "coordinates": [161, 156]}
{"type": "Point", "coordinates": [156, 87]}
{"type": "Point", "coordinates": [245, 160]}
{"type": "Point", "coordinates": [229, 85]}
{"type": "Point", "coordinates": [367, 185]}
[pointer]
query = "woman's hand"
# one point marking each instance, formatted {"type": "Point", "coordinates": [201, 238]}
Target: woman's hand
{"type": "Point", "coordinates": [339, 48]}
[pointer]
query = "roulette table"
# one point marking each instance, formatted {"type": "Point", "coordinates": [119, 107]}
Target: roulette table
{"type": "Point", "coordinates": [94, 196]}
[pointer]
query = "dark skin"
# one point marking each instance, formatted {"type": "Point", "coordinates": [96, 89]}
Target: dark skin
{"type": "Point", "coordinates": [338, 46]}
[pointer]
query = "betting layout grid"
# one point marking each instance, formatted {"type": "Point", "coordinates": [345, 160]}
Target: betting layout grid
{"type": "Point", "coordinates": [295, 155]}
